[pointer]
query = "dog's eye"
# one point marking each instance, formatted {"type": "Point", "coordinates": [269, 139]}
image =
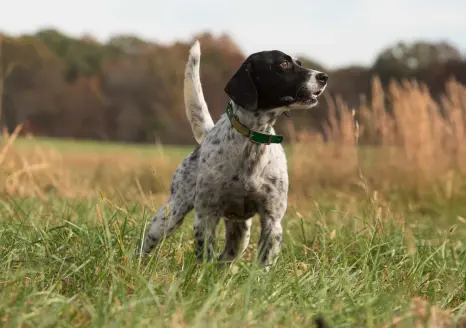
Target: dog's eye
{"type": "Point", "coordinates": [285, 64]}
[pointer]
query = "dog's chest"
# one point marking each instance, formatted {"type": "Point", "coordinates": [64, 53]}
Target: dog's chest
{"type": "Point", "coordinates": [240, 175]}
{"type": "Point", "coordinates": [239, 201]}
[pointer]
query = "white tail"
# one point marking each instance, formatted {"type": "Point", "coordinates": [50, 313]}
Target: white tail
{"type": "Point", "coordinates": [195, 105]}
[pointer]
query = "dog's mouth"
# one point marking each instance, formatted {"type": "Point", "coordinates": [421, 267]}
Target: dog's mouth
{"type": "Point", "coordinates": [304, 101]}
{"type": "Point", "coordinates": [309, 101]}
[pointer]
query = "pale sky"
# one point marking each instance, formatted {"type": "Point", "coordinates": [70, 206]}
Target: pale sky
{"type": "Point", "coordinates": [333, 32]}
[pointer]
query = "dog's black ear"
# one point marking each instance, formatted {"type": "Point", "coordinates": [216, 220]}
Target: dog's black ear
{"type": "Point", "coordinates": [241, 89]}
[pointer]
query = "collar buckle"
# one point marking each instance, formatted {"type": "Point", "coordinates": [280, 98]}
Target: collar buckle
{"type": "Point", "coordinates": [251, 135]}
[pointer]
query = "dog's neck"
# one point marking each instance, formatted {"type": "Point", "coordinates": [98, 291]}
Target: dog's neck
{"type": "Point", "coordinates": [258, 120]}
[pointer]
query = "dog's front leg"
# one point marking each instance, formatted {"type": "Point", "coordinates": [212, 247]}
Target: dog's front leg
{"type": "Point", "coordinates": [237, 235]}
{"type": "Point", "coordinates": [204, 235]}
{"type": "Point", "coordinates": [270, 241]}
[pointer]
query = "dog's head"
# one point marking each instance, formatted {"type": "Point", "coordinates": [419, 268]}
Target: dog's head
{"type": "Point", "coordinates": [273, 79]}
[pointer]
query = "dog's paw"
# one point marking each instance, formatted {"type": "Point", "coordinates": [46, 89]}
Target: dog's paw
{"type": "Point", "coordinates": [139, 250]}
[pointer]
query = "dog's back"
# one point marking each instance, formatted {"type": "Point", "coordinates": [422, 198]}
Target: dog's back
{"type": "Point", "coordinates": [195, 105]}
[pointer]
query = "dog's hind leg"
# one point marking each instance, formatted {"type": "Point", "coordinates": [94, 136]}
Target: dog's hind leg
{"type": "Point", "coordinates": [237, 235]}
{"type": "Point", "coordinates": [171, 215]}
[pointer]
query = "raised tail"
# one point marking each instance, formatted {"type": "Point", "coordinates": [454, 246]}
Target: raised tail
{"type": "Point", "coordinates": [195, 105]}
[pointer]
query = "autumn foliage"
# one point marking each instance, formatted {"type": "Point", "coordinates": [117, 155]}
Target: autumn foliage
{"type": "Point", "coordinates": [128, 89]}
{"type": "Point", "coordinates": [408, 111]}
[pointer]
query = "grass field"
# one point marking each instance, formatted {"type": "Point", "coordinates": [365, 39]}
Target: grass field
{"type": "Point", "coordinates": [356, 261]}
{"type": "Point", "coordinates": [373, 236]}
{"type": "Point", "coordinates": [70, 263]}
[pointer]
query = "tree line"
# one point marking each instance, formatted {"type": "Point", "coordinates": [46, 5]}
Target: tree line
{"type": "Point", "coordinates": [131, 90]}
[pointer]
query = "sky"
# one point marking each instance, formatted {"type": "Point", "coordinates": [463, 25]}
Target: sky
{"type": "Point", "coordinates": [334, 32]}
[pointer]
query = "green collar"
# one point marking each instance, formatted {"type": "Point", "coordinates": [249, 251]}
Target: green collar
{"type": "Point", "coordinates": [254, 136]}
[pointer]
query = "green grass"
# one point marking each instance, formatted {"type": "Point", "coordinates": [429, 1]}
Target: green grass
{"type": "Point", "coordinates": [91, 146]}
{"type": "Point", "coordinates": [69, 264]}
{"type": "Point", "coordinates": [66, 263]}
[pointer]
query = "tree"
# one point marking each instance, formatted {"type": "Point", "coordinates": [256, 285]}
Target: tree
{"type": "Point", "coordinates": [404, 60]}
{"type": "Point", "coordinates": [130, 44]}
{"type": "Point", "coordinates": [83, 57]}
{"type": "Point", "coordinates": [21, 61]}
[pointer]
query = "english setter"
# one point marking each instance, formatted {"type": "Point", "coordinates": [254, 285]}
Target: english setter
{"type": "Point", "coordinates": [239, 167]}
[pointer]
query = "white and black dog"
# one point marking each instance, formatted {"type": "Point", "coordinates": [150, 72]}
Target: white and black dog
{"type": "Point", "coordinates": [239, 167]}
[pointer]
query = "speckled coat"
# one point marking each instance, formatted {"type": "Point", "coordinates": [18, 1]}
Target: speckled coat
{"type": "Point", "coordinates": [228, 176]}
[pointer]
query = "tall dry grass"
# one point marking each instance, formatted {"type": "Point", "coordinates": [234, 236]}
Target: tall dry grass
{"type": "Point", "coordinates": [410, 142]}
{"type": "Point", "coordinates": [45, 172]}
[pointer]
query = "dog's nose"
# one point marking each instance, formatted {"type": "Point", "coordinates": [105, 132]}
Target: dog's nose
{"type": "Point", "coordinates": [322, 78]}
